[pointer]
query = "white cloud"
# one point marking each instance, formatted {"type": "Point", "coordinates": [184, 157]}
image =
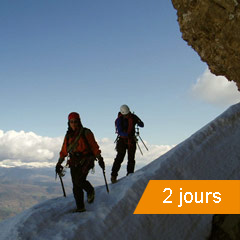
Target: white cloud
{"type": "Point", "coordinates": [26, 149]}
{"type": "Point", "coordinates": [8, 163]}
{"type": "Point", "coordinates": [216, 90]}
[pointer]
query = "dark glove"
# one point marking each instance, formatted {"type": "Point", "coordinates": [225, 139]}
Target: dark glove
{"type": "Point", "coordinates": [59, 168]}
{"type": "Point", "coordinates": [101, 162]}
{"type": "Point", "coordinates": [140, 123]}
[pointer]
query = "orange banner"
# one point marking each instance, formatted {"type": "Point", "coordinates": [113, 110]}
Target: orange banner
{"type": "Point", "coordinates": [190, 197]}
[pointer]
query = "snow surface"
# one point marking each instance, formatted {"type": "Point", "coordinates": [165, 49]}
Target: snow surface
{"type": "Point", "coordinates": [212, 153]}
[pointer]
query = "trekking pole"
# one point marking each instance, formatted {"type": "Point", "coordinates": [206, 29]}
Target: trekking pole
{"type": "Point", "coordinates": [105, 181]}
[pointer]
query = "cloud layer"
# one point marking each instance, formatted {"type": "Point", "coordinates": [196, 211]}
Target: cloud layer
{"type": "Point", "coordinates": [26, 149]}
{"type": "Point", "coordinates": [17, 148]}
{"type": "Point", "coordinates": [216, 90]}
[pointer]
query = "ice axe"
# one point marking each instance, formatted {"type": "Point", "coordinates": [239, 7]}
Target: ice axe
{"type": "Point", "coordinates": [138, 136]}
{"type": "Point", "coordinates": [105, 180]}
{"type": "Point", "coordinates": [61, 174]}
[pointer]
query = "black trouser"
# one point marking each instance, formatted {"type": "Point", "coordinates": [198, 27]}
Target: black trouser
{"type": "Point", "coordinates": [79, 184]}
{"type": "Point", "coordinates": [122, 146]}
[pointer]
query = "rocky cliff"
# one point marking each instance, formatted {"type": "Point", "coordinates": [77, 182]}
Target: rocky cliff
{"type": "Point", "coordinates": [212, 28]}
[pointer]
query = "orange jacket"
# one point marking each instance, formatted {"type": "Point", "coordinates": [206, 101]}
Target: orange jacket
{"type": "Point", "coordinates": [81, 146]}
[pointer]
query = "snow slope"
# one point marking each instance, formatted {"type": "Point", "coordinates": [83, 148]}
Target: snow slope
{"type": "Point", "coordinates": [211, 153]}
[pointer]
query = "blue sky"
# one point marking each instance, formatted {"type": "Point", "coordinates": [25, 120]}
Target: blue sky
{"type": "Point", "coordinates": [93, 56]}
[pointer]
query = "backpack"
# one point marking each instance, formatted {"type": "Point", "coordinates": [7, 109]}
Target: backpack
{"type": "Point", "coordinates": [77, 159]}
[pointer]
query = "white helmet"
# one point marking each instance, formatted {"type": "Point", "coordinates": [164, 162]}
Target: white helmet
{"type": "Point", "coordinates": [124, 109]}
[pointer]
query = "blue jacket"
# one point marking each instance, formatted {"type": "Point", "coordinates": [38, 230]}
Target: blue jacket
{"type": "Point", "coordinates": [125, 124]}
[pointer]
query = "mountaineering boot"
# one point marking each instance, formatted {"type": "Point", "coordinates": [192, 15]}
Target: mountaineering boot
{"type": "Point", "coordinates": [90, 196]}
{"type": "Point", "coordinates": [80, 209]}
{"type": "Point", "coordinates": [113, 179]}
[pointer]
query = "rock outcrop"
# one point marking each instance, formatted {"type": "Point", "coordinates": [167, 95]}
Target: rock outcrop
{"type": "Point", "coordinates": [211, 27]}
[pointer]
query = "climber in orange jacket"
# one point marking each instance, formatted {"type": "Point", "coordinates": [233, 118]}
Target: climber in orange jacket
{"type": "Point", "coordinates": [81, 147]}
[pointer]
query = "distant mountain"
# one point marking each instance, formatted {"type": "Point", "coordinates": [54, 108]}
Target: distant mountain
{"type": "Point", "coordinates": [212, 153]}
{"type": "Point", "coordinates": [21, 188]}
